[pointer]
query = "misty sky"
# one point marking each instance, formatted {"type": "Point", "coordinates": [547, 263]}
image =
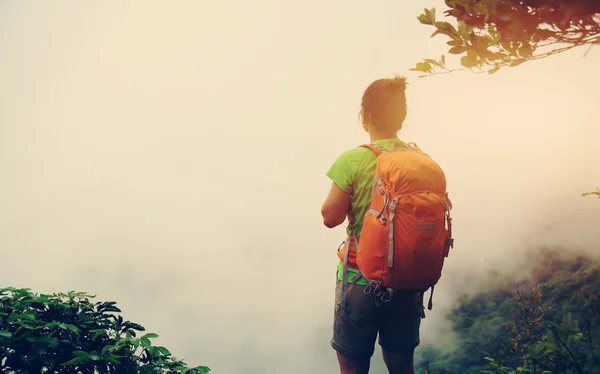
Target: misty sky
{"type": "Point", "coordinates": [171, 156]}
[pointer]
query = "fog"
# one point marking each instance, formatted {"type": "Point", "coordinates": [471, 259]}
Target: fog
{"type": "Point", "coordinates": [172, 157]}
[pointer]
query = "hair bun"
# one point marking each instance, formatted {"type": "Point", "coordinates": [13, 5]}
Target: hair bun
{"type": "Point", "coordinates": [399, 82]}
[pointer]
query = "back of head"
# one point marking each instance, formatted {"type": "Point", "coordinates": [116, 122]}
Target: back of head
{"type": "Point", "coordinates": [383, 104]}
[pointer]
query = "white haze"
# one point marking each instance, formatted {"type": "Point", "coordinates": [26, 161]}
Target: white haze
{"type": "Point", "coordinates": [170, 156]}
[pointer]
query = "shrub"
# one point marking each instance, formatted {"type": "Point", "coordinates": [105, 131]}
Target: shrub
{"type": "Point", "coordinates": [67, 333]}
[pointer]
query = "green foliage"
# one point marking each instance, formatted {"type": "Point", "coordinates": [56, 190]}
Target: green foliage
{"type": "Point", "coordinates": [554, 328]}
{"type": "Point", "coordinates": [491, 34]}
{"type": "Point", "coordinates": [67, 333]}
{"type": "Point", "coordinates": [545, 346]}
{"type": "Point", "coordinates": [597, 192]}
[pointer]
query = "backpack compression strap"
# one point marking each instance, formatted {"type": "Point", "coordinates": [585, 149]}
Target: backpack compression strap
{"type": "Point", "coordinates": [352, 240]}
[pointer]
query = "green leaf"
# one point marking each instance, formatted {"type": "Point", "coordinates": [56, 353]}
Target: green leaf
{"type": "Point", "coordinates": [28, 316]}
{"type": "Point", "coordinates": [494, 56]}
{"type": "Point", "coordinates": [430, 14]}
{"type": "Point", "coordinates": [420, 67]}
{"type": "Point", "coordinates": [5, 334]}
{"type": "Point", "coordinates": [150, 335]}
{"type": "Point", "coordinates": [112, 359]}
{"type": "Point", "coordinates": [80, 353]}
{"type": "Point", "coordinates": [105, 349]}
{"type": "Point", "coordinates": [495, 69]}
{"type": "Point", "coordinates": [433, 62]}
{"type": "Point", "coordinates": [437, 32]}
{"type": "Point", "coordinates": [164, 351]}
{"type": "Point", "coordinates": [473, 39]}
{"type": "Point", "coordinates": [137, 327]}
{"type": "Point", "coordinates": [463, 29]}
{"type": "Point", "coordinates": [424, 19]}
{"type": "Point", "coordinates": [428, 67]}
{"type": "Point", "coordinates": [145, 343]}
{"type": "Point", "coordinates": [73, 328]}
{"type": "Point", "coordinates": [457, 50]}
{"type": "Point", "coordinates": [78, 360]}
{"type": "Point", "coordinates": [467, 62]}
{"type": "Point", "coordinates": [517, 62]}
{"type": "Point", "coordinates": [112, 308]}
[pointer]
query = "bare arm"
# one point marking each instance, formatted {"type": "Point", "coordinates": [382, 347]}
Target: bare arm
{"type": "Point", "coordinates": [335, 207]}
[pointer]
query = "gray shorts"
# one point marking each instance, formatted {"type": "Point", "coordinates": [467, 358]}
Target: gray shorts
{"type": "Point", "coordinates": [355, 328]}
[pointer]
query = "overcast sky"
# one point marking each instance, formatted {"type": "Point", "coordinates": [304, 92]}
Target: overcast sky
{"type": "Point", "coordinates": [170, 156]}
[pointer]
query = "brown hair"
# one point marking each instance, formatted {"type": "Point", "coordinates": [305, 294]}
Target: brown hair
{"type": "Point", "coordinates": [384, 103]}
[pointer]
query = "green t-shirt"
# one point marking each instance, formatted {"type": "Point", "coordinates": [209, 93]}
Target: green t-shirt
{"type": "Point", "coordinates": [353, 172]}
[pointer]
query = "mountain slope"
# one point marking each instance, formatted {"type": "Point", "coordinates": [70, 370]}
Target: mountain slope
{"type": "Point", "coordinates": [548, 321]}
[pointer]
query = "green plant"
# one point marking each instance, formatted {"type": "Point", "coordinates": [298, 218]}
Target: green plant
{"type": "Point", "coordinates": [551, 324]}
{"type": "Point", "coordinates": [495, 368]}
{"type": "Point", "coordinates": [538, 345]}
{"type": "Point", "coordinates": [491, 34]}
{"type": "Point", "coordinates": [597, 192]}
{"type": "Point", "coordinates": [67, 333]}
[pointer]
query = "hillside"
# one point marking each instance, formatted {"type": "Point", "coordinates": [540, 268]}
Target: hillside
{"type": "Point", "coordinates": [548, 322]}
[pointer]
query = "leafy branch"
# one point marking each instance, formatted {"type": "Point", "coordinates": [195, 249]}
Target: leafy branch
{"type": "Point", "coordinates": [597, 193]}
{"type": "Point", "coordinates": [491, 34]}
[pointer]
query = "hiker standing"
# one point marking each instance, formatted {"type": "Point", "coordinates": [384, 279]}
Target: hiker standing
{"type": "Point", "coordinates": [398, 235]}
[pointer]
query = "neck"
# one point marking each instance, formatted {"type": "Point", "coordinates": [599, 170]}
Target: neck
{"type": "Point", "coordinates": [377, 136]}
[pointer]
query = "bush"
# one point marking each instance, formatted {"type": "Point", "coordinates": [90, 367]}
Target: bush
{"type": "Point", "coordinates": [67, 333]}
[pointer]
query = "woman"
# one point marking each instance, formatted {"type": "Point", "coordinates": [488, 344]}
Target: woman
{"type": "Point", "coordinates": [359, 320]}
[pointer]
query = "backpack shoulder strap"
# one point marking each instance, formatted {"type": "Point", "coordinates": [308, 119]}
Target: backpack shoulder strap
{"type": "Point", "coordinates": [410, 146]}
{"type": "Point", "coordinates": [414, 146]}
{"type": "Point", "coordinates": [376, 148]}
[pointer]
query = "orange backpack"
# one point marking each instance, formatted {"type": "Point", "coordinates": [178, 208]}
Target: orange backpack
{"type": "Point", "coordinates": [407, 231]}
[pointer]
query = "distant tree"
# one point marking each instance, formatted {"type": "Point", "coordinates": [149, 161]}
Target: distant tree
{"type": "Point", "coordinates": [550, 325]}
{"type": "Point", "coordinates": [537, 345]}
{"type": "Point", "coordinates": [491, 34]}
{"type": "Point", "coordinates": [66, 333]}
